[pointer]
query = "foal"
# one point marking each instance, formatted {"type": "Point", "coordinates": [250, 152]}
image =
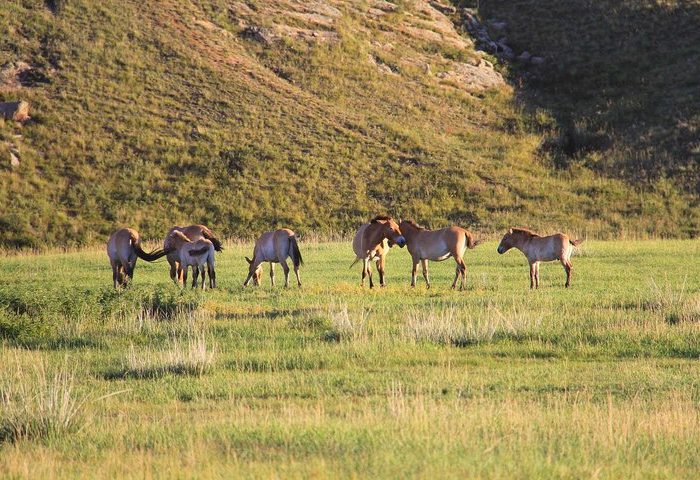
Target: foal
{"type": "Point", "coordinates": [540, 249]}
{"type": "Point", "coordinates": [197, 254]}
{"type": "Point", "coordinates": [123, 249]}
{"type": "Point", "coordinates": [437, 245]}
{"type": "Point", "coordinates": [192, 232]}
{"type": "Point", "coordinates": [274, 247]}
{"type": "Point", "coordinates": [372, 242]}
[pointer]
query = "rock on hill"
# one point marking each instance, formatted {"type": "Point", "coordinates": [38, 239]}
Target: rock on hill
{"type": "Point", "coordinates": [312, 114]}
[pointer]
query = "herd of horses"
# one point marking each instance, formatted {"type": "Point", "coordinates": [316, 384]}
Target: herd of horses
{"type": "Point", "coordinates": [195, 246]}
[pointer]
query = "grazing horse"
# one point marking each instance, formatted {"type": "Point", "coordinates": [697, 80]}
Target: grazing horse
{"type": "Point", "coordinates": [274, 247]}
{"type": "Point", "coordinates": [372, 242]}
{"type": "Point", "coordinates": [197, 254]}
{"type": "Point", "coordinates": [540, 249]}
{"type": "Point", "coordinates": [123, 249]}
{"type": "Point", "coordinates": [437, 245]}
{"type": "Point", "coordinates": [193, 233]}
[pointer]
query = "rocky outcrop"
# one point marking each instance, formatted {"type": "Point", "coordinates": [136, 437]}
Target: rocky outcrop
{"type": "Point", "coordinates": [484, 34]}
{"type": "Point", "coordinates": [17, 111]}
{"type": "Point", "coordinates": [474, 77]}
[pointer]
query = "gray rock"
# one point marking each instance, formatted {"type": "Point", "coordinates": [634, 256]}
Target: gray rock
{"type": "Point", "coordinates": [524, 57]}
{"type": "Point", "coordinates": [258, 34]}
{"type": "Point", "coordinates": [17, 111]}
{"type": "Point", "coordinates": [445, 9]}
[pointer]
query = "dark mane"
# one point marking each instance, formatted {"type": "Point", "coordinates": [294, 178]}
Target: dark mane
{"type": "Point", "coordinates": [415, 225]}
{"type": "Point", "coordinates": [378, 218]}
{"type": "Point", "coordinates": [525, 231]}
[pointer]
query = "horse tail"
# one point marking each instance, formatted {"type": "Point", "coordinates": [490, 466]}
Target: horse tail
{"type": "Point", "coordinates": [471, 243]}
{"type": "Point", "coordinates": [209, 235]}
{"type": "Point", "coordinates": [357, 259]}
{"type": "Point", "coordinates": [576, 243]}
{"type": "Point", "coordinates": [294, 252]}
{"type": "Point", "coordinates": [151, 256]}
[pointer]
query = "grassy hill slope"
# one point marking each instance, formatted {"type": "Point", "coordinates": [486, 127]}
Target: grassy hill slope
{"type": "Point", "coordinates": [315, 115]}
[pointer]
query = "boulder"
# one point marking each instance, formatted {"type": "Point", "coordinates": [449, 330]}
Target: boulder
{"type": "Point", "coordinates": [524, 57]}
{"type": "Point", "coordinates": [444, 9]}
{"type": "Point", "coordinates": [14, 157]}
{"type": "Point", "coordinates": [17, 111]}
{"type": "Point", "coordinates": [258, 34]}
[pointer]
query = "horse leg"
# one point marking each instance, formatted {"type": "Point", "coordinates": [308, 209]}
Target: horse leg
{"type": "Point", "coordinates": [203, 272]}
{"type": "Point", "coordinates": [272, 273]}
{"type": "Point", "coordinates": [424, 264]}
{"type": "Point", "coordinates": [461, 272]}
{"type": "Point", "coordinates": [380, 269]}
{"type": "Point", "coordinates": [212, 275]}
{"type": "Point", "coordinates": [537, 275]}
{"type": "Point", "coordinates": [296, 272]}
{"type": "Point", "coordinates": [369, 273]}
{"type": "Point", "coordinates": [414, 271]}
{"type": "Point", "coordinates": [285, 267]}
{"type": "Point", "coordinates": [195, 275]}
{"type": "Point", "coordinates": [130, 272]}
{"type": "Point", "coordinates": [364, 272]}
{"type": "Point", "coordinates": [568, 268]}
{"type": "Point", "coordinates": [533, 269]}
{"type": "Point", "coordinates": [115, 275]}
{"type": "Point", "coordinates": [173, 270]}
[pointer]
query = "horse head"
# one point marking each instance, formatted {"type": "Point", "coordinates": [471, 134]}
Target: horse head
{"type": "Point", "coordinates": [389, 230]}
{"type": "Point", "coordinates": [506, 242]}
{"type": "Point", "coordinates": [255, 274]}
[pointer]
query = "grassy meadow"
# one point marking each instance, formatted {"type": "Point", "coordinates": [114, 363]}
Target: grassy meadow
{"type": "Point", "coordinates": [330, 380]}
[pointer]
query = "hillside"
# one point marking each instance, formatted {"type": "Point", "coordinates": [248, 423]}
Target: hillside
{"type": "Point", "coordinates": [315, 115]}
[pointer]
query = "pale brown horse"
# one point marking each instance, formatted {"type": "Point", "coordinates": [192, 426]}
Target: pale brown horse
{"type": "Point", "coordinates": [437, 245]}
{"type": "Point", "coordinates": [540, 249]}
{"type": "Point", "coordinates": [123, 249]}
{"type": "Point", "coordinates": [197, 254]}
{"type": "Point", "coordinates": [372, 242]}
{"type": "Point", "coordinates": [274, 247]}
{"type": "Point", "coordinates": [193, 233]}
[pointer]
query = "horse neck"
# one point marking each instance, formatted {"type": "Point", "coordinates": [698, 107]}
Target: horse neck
{"type": "Point", "coordinates": [375, 236]}
{"type": "Point", "coordinates": [523, 242]}
{"type": "Point", "coordinates": [409, 231]}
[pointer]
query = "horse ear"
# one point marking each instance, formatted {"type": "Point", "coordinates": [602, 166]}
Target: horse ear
{"type": "Point", "coordinates": [248, 260]}
{"type": "Point", "coordinates": [510, 231]}
{"type": "Point", "coordinates": [374, 220]}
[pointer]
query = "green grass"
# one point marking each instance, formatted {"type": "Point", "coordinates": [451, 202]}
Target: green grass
{"type": "Point", "coordinates": [333, 380]}
{"type": "Point", "coordinates": [147, 116]}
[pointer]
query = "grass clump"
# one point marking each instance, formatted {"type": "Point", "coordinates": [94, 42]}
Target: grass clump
{"type": "Point", "coordinates": [451, 325]}
{"type": "Point", "coordinates": [194, 355]}
{"type": "Point", "coordinates": [673, 302]}
{"type": "Point", "coordinates": [40, 405]}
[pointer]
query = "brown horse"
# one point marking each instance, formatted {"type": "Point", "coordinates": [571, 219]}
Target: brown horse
{"type": "Point", "coordinates": [437, 245]}
{"type": "Point", "coordinates": [193, 233]}
{"type": "Point", "coordinates": [372, 242]}
{"type": "Point", "coordinates": [123, 249]}
{"type": "Point", "coordinates": [540, 249]}
{"type": "Point", "coordinates": [274, 247]}
{"type": "Point", "coordinates": [194, 253]}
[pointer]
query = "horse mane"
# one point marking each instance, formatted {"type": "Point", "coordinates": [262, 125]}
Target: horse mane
{"type": "Point", "coordinates": [380, 218]}
{"type": "Point", "coordinates": [415, 225]}
{"type": "Point", "coordinates": [525, 231]}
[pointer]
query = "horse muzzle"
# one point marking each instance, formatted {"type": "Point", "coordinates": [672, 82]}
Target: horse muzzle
{"type": "Point", "coordinates": [401, 242]}
{"type": "Point", "coordinates": [500, 249]}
